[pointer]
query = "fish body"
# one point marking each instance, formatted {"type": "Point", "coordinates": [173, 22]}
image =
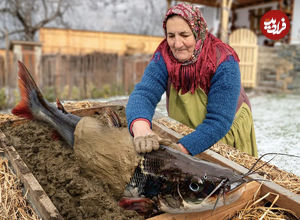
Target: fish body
{"type": "Point", "coordinates": [164, 180]}
{"type": "Point", "coordinates": [181, 183]}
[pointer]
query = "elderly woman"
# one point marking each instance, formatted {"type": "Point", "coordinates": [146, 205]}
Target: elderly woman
{"type": "Point", "coordinates": [201, 77]}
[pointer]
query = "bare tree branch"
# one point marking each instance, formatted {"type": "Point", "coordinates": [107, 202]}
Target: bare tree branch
{"type": "Point", "coordinates": [25, 14]}
{"type": "Point", "coordinates": [46, 20]}
{"type": "Point", "coordinates": [45, 8]}
{"type": "Point", "coordinates": [2, 36]}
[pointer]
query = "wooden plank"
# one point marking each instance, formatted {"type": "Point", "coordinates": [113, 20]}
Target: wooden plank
{"type": "Point", "coordinates": [35, 193]}
{"type": "Point", "coordinates": [219, 213]}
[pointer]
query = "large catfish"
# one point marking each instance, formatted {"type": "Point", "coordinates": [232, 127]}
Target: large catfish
{"type": "Point", "coordinates": [164, 180]}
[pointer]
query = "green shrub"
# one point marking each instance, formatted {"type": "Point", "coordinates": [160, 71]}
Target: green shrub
{"type": "Point", "coordinates": [2, 99]}
{"type": "Point", "coordinates": [106, 91]}
{"type": "Point", "coordinates": [75, 93]}
{"type": "Point", "coordinates": [95, 93]}
{"type": "Point", "coordinates": [49, 93]}
{"type": "Point", "coordinates": [17, 97]}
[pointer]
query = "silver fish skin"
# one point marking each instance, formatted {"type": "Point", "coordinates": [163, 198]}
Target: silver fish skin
{"type": "Point", "coordinates": [181, 183]}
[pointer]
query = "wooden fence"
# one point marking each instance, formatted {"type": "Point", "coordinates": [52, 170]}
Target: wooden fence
{"type": "Point", "coordinates": [92, 75]}
{"type": "Point", "coordinates": [2, 73]}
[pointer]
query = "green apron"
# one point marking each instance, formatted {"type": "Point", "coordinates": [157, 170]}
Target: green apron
{"type": "Point", "coordinates": [190, 109]}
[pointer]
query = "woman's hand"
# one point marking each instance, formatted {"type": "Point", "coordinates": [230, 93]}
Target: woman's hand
{"type": "Point", "coordinates": [141, 128]}
{"type": "Point", "coordinates": [183, 149]}
{"type": "Point", "coordinates": [145, 140]}
{"type": "Point", "coordinates": [169, 143]}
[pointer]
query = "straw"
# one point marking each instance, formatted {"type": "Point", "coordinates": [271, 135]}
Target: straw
{"type": "Point", "coordinates": [13, 204]}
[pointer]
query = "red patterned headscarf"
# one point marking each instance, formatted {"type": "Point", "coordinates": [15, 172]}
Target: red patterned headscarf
{"type": "Point", "coordinates": [208, 54]}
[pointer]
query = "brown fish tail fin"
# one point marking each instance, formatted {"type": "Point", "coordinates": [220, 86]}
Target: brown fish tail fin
{"type": "Point", "coordinates": [112, 117]}
{"type": "Point", "coordinates": [26, 86]}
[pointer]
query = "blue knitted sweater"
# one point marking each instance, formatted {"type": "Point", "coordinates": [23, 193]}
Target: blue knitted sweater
{"type": "Point", "coordinates": [221, 103]}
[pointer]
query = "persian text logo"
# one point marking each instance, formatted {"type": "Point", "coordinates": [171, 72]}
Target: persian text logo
{"type": "Point", "coordinates": [274, 24]}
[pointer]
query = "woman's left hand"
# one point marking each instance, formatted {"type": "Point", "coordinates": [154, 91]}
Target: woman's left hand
{"type": "Point", "coordinates": [169, 143]}
{"type": "Point", "coordinates": [183, 149]}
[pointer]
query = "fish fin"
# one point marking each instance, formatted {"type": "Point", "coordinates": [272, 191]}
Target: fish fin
{"type": "Point", "coordinates": [56, 136]}
{"type": "Point", "coordinates": [60, 106]}
{"type": "Point", "coordinates": [143, 206]}
{"type": "Point", "coordinates": [26, 86]}
{"type": "Point", "coordinates": [34, 106]}
{"type": "Point", "coordinates": [22, 110]}
{"type": "Point", "coordinates": [112, 117]}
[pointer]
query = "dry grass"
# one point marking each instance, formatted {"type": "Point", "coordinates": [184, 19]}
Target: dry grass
{"type": "Point", "coordinates": [13, 204]}
{"type": "Point", "coordinates": [257, 209]}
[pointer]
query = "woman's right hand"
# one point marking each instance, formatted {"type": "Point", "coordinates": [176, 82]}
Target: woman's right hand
{"type": "Point", "coordinates": [145, 140]}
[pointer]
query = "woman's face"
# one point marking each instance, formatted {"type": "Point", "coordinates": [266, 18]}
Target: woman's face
{"type": "Point", "coordinates": [180, 38]}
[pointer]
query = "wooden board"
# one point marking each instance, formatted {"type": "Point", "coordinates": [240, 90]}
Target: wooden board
{"type": "Point", "coordinates": [35, 193]}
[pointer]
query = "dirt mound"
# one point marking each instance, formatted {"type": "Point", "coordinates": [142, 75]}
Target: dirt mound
{"type": "Point", "coordinates": [75, 194]}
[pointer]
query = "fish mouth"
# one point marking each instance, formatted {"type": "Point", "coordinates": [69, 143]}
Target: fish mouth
{"type": "Point", "coordinates": [187, 205]}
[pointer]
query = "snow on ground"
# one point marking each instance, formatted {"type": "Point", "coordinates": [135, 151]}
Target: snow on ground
{"type": "Point", "coordinates": [277, 127]}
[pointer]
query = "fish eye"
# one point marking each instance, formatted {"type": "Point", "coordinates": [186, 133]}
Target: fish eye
{"type": "Point", "coordinates": [194, 187]}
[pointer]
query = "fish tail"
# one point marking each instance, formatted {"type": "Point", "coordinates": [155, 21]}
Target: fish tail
{"type": "Point", "coordinates": [34, 106]}
{"type": "Point", "coordinates": [26, 86]}
{"type": "Point", "coordinates": [60, 106]}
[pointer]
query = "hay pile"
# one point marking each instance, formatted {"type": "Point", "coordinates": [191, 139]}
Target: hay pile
{"type": "Point", "coordinates": [13, 204]}
{"type": "Point", "coordinates": [7, 117]}
{"type": "Point", "coordinates": [257, 210]}
{"type": "Point", "coordinates": [80, 105]}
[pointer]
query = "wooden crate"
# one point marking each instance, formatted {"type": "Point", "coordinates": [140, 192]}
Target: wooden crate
{"type": "Point", "coordinates": [47, 210]}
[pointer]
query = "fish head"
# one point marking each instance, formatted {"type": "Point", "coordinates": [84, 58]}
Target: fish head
{"type": "Point", "coordinates": [189, 184]}
{"type": "Point", "coordinates": [195, 195]}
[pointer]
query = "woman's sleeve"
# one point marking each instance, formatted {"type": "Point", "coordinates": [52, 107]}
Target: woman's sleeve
{"type": "Point", "coordinates": [221, 109]}
{"type": "Point", "coordinates": [147, 93]}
